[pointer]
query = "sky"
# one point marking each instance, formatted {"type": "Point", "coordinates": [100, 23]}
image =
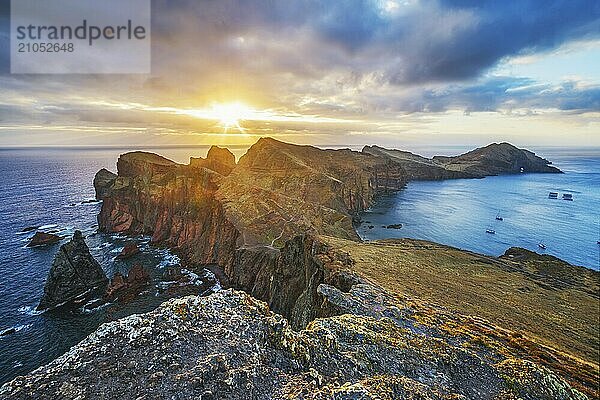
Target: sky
{"type": "Point", "coordinates": [387, 72]}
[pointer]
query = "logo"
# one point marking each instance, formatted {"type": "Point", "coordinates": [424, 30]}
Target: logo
{"type": "Point", "coordinates": [80, 36]}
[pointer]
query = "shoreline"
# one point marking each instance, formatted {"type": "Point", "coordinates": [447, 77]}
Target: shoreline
{"type": "Point", "coordinates": [306, 262]}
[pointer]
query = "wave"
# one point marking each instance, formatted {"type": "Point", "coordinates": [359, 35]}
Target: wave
{"type": "Point", "coordinates": [30, 310]}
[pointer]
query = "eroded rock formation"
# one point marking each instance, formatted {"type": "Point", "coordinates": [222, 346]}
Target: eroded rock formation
{"type": "Point", "coordinates": [279, 226]}
{"type": "Point", "coordinates": [127, 287]}
{"type": "Point", "coordinates": [129, 250]}
{"type": "Point", "coordinates": [74, 273]}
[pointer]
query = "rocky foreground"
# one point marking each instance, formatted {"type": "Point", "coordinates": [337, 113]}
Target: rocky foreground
{"type": "Point", "coordinates": [323, 315]}
{"type": "Point", "coordinates": [231, 346]}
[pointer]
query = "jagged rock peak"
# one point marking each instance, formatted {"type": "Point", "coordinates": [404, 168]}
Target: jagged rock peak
{"type": "Point", "coordinates": [218, 159]}
{"type": "Point", "coordinates": [143, 163]}
{"type": "Point", "coordinates": [222, 154]}
{"type": "Point", "coordinates": [102, 180]}
{"type": "Point", "coordinates": [74, 273]}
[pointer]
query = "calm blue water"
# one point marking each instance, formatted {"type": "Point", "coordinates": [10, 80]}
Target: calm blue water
{"type": "Point", "coordinates": [458, 212]}
{"type": "Point", "coordinates": [45, 188]}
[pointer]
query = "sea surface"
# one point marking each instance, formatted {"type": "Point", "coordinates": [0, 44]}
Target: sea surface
{"type": "Point", "coordinates": [459, 212]}
{"type": "Point", "coordinates": [48, 188]}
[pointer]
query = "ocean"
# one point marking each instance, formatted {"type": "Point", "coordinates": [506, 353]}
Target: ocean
{"type": "Point", "coordinates": [459, 212]}
{"type": "Point", "coordinates": [48, 188]}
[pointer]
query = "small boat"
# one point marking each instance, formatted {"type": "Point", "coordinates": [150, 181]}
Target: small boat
{"type": "Point", "coordinates": [490, 231]}
{"type": "Point", "coordinates": [499, 218]}
{"type": "Point", "coordinates": [553, 195]}
{"type": "Point", "coordinates": [567, 196]}
{"type": "Point", "coordinates": [542, 246]}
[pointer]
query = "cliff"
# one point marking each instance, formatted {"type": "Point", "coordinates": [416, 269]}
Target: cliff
{"type": "Point", "coordinates": [386, 319]}
{"type": "Point", "coordinates": [494, 159]}
{"type": "Point", "coordinates": [275, 192]}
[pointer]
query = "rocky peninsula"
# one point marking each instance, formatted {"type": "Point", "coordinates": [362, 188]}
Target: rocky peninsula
{"type": "Point", "coordinates": [316, 313]}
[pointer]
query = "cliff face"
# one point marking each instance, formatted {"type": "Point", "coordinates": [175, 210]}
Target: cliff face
{"type": "Point", "coordinates": [275, 192]}
{"type": "Point", "coordinates": [177, 206]}
{"type": "Point", "coordinates": [260, 221]}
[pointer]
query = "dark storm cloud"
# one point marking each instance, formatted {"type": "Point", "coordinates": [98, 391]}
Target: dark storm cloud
{"type": "Point", "coordinates": [417, 41]}
{"type": "Point", "coordinates": [333, 58]}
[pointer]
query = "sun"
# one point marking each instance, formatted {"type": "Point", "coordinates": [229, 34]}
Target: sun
{"type": "Point", "coordinates": [229, 115]}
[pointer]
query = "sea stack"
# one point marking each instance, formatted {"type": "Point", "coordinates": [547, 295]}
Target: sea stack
{"type": "Point", "coordinates": [74, 272]}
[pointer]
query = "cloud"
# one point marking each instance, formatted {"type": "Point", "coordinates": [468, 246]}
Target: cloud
{"type": "Point", "coordinates": [343, 59]}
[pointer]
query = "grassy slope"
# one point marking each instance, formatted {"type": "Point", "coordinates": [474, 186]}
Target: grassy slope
{"type": "Point", "coordinates": [515, 295]}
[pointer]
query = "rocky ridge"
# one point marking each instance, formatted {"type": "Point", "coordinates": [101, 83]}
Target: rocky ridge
{"type": "Point", "coordinates": [262, 223]}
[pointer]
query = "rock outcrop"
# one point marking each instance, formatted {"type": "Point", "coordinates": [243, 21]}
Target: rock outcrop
{"type": "Point", "coordinates": [102, 180]}
{"type": "Point", "coordinates": [218, 159]}
{"type": "Point", "coordinates": [74, 273]}
{"type": "Point", "coordinates": [497, 159]}
{"type": "Point", "coordinates": [43, 239]}
{"type": "Point", "coordinates": [140, 163]}
{"type": "Point", "coordinates": [230, 345]}
{"type": "Point", "coordinates": [127, 287]}
{"type": "Point", "coordinates": [129, 250]}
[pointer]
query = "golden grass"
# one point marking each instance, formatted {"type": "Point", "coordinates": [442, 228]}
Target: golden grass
{"type": "Point", "coordinates": [504, 292]}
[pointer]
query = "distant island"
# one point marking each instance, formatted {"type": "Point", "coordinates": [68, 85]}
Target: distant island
{"type": "Point", "coordinates": [310, 310]}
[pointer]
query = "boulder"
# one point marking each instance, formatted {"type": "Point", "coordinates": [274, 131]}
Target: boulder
{"type": "Point", "coordinates": [116, 284]}
{"type": "Point", "coordinates": [43, 238]}
{"type": "Point", "coordinates": [127, 287]}
{"type": "Point", "coordinates": [394, 226]}
{"type": "Point", "coordinates": [74, 273]}
{"type": "Point", "coordinates": [129, 250]}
